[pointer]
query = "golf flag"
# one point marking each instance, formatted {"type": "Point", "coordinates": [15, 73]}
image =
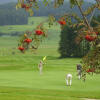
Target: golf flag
{"type": "Point", "coordinates": [44, 58]}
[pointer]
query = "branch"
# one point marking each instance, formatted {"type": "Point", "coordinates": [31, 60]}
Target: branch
{"type": "Point", "coordinates": [84, 17]}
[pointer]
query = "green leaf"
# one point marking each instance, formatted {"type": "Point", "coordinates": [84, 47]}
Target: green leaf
{"type": "Point", "coordinates": [72, 3]}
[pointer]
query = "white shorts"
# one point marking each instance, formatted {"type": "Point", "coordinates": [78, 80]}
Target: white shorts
{"type": "Point", "coordinates": [69, 76]}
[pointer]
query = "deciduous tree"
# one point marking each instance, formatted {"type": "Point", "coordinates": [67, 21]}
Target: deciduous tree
{"type": "Point", "coordinates": [92, 59]}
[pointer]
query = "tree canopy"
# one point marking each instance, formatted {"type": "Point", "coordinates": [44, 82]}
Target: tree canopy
{"type": "Point", "coordinates": [91, 34]}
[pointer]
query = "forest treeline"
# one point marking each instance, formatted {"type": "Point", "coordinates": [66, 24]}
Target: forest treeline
{"type": "Point", "coordinates": [10, 16]}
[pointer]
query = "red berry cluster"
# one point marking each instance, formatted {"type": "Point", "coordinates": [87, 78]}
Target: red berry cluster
{"type": "Point", "coordinates": [62, 22]}
{"type": "Point", "coordinates": [91, 36]}
{"type": "Point", "coordinates": [27, 7]}
{"type": "Point", "coordinates": [28, 40]}
{"type": "Point", "coordinates": [90, 70]}
{"type": "Point", "coordinates": [21, 48]}
{"type": "Point", "coordinates": [23, 5]}
{"type": "Point", "coordinates": [38, 36]}
{"type": "Point", "coordinates": [25, 43]}
{"type": "Point", "coordinates": [97, 33]}
{"type": "Point", "coordinates": [39, 32]}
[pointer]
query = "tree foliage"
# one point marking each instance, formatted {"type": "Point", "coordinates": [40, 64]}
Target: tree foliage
{"type": "Point", "coordinates": [91, 34]}
{"type": "Point", "coordinates": [68, 47]}
{"type": "Point", "coordinates": [9, 16]}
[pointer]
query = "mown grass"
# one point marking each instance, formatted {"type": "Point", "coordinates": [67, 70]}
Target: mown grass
{"type": "Point", "coordinates": [20, 78]}
{"type": "Point", "coordinates": [19, 75]}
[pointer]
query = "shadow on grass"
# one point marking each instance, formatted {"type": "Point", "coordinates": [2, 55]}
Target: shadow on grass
{"type": "Point", "coordinates": [52, 58]}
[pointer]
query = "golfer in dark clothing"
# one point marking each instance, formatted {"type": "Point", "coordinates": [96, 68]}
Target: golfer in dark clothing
{"type": "Point", "coordinates": [79, 70]}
